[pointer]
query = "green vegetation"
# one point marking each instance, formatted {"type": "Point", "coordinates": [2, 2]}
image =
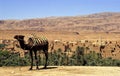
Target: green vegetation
{"type": "Point", "coordinates": [58, 58]}
{"type": "Point", "coordinates": [2, 46]}
{"type": "Point", "coordinates": [12, 59]}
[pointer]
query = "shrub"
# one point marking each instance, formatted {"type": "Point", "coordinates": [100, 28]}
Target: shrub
{"type": "Point", "coordinates": [12, 59]}
{"type": "Point", "coordinates": [59, 58]}
{"type": "Point", "coordinates": [2, 46]}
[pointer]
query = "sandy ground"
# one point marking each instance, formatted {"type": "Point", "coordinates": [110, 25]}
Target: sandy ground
{"type": "Point", "coordinates": [61, 71]}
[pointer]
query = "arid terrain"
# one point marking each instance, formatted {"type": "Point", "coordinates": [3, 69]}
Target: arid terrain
{"type": "Point", "coordinates": [95, 27]}
{"type": "Point", "coordinates": [100, 25]}
{"type": "Point", "coordinates": [99, 22]}
{"type": "Point", "coordinates": [61, 35]}
{"type": "Point", "coordinates": [61, 71]}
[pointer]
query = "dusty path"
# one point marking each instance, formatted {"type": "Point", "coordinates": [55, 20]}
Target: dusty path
{"type": "Point", "coordinates": [61, 71]}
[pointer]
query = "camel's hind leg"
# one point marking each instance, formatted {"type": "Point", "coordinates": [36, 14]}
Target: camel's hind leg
{"type": "Point", "coordinates": [46, 55]}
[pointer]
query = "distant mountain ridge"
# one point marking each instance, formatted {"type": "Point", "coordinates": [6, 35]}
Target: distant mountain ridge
{"type": "Point", "coordinates": [99, 22]}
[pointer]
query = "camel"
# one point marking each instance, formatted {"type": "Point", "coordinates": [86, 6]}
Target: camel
{"type": "Point", "coordinates": [34, 47]}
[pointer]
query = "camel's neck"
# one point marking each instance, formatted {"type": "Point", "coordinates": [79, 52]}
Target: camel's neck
{"type": "Point", "coordinates": [22, 44]}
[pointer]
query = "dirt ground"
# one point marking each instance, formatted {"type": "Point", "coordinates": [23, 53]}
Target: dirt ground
{"type": "Point", "coordinates": [61, 71]}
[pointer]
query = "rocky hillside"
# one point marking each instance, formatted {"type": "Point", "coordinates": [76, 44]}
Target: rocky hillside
{"type": "Point", "coordinates": [99, 22]}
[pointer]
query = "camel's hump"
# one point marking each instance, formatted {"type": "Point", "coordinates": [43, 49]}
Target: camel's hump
{"type": "Point", "coordinates": [33, 41]}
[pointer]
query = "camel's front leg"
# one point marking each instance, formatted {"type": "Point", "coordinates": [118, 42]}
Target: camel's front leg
{"type": "Point", "coordinates": [35, 52]}
{"type": "Point", "coordinates": [31, 56]}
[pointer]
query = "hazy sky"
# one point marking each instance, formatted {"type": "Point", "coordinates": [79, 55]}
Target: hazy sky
{"type": "Point", "coordinates": [24, 9]}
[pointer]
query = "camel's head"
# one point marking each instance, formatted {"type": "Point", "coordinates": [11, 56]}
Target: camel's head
{"type": "Point", "coordinates": [19, 37]}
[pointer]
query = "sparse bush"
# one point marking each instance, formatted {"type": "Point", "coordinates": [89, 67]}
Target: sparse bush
{"type": "Point", "coordinates": [12, 59]}
{"type": "Point", "coordinates": [2, 46]}
{"type": "Point", "coordinates": [59, 58]}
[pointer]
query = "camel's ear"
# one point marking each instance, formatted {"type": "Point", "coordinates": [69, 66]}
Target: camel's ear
{"type": "Point", "coordinates": [16, 36]}
{"type": "Point", "coordinates": [19, 37]}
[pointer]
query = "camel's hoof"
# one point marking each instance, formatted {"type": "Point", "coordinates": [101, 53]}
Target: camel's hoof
{"type": "Point", "coordinates": [37, 68]}
{"type": "Point", "coordinates": [30, 69]}
{"type": "Point", "coordinates": [44, 67]}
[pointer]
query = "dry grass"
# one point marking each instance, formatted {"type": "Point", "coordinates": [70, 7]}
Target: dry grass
{"type": "Point", "coordinates": [61, 71]}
